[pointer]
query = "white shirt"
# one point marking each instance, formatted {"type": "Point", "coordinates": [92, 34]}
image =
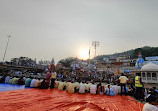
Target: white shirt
{"type": "Point", "coordinates": [82, 88]}
{"type": "Point", "coordinates": [93, 89]}
{"type": "Point", "coordinates": [123, 79]}
{"type": "Point", "coordinates": [149, 107]}
{"type": "Point", "coordinates": [32, 82]}
{"type": "Point", "coordinates": [116, 89]}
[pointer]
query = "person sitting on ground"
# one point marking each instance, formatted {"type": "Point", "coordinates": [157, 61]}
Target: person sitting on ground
{"type": "Point", "coordinates": [93, 88]}
{"type": "Point", "coordinates": [131, 91]}
{"type": "Point", "coordinates": [15, 80]}
{"type": "Point", "coordinates": [37, 83]}
{"type": "Point", "coordinates": [151, 106]}
{"type": "Point", "coordinates": [10, 80]}
{"type": "Point", "coordinates": [28, 82]}
{"type": "Point", "coordinates": [82, 88]}
{"type": "Point", "coordinates": [71, 87]}
{"type": "Point", "coordinates": [115, 88]}
{"type": "Point", "coordinates": [101, 89]}
{"type": "Point", "coordinates": [88, 85]}
{"type": "Point", "coordinates": [44, 84]}
{"type": "Point", "coordinates": [109, 91]}
{"type": "Point", "coordinates": [152, 96]}
{"type": "Point", "coordinates": [32, 82]}
{"type": "Point", "coordinates": [21, 81]}
{"type": "Point", "coordinates": [7, 79]}
{"type": "Point", "coordinates": [67, 84]}
{"type": "Point", "coordinates": [56, 84]}
{"type": "Point", "coordinates": [61, 85]}
{"type": "Point", "coordinates": [98, 85]}
{"type": "Point", "coordinates": [77, 84]}
{"type": "Point", "coordinates": [2, 80]}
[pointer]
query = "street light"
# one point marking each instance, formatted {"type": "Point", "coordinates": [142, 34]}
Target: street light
{"type": "Point", "coordinates": [95, 44]}
{"type": "Point", "coordinates": [6, 48]}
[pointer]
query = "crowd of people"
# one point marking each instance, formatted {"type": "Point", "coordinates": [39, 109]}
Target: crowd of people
{"type": "Point", "coordinates": [111, 88]}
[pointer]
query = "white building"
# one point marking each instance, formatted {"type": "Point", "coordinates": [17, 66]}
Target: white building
{"type": "Point", "coordinates": [149, 74]}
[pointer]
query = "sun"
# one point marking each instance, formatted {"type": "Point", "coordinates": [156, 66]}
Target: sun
{"type": "Point", "coordinates": [84, 54]}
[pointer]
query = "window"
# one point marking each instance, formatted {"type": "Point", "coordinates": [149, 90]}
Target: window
{"type": "Point", "coordinates": [143, 74]}
{"type": "Point", "coordinates": [154, 77]}
{"type": "Point", "coordinates": [148, 76]}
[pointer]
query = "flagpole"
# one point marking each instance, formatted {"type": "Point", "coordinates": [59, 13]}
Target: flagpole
{"type": "Point", "coordinates": [6, 48]}
{"type": "Point", "coordinates": [89, 55]}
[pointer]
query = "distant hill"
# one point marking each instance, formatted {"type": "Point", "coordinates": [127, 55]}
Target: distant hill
{"type": "Point", "coordinates": [146, 51]}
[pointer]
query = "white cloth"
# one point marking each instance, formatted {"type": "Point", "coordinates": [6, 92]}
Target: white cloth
{"type": "Point", "coordinates": [32, 82]}
{"type": "Point", "coordinates": [7, 79]}
{"type": "Point", "coordinates": [149, 107]}
{"type": "Point", "coordinates": [82, 88]}
{"type": "Point", "coordinates": [93, 89]}
{"type": "Point", "coordinates": [116, 89]}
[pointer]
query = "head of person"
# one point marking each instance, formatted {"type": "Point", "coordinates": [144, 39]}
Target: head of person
{"type": "Point", "coordinates": [99, 84]}
{"type": "Point", "coordinates": [44, 79]}
{"type": "Point", "coordinates": [138, 74]}
{"type": "Point", "coordinates": [122, 74]}
{"type": "Point", "coordinates": [154, 88]}
{"type": "Point", "coordinates": [78, 81]}
{"type": "Point", "coordinates": [114, 83]}
{"type": "Point", "coordinates": [21, 78]}
{"type": "Point", "coordinates": [109, 86]}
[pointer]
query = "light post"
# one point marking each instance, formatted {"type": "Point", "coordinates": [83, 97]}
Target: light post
{"type": "Point", "coordinates": [95, 44]}
{"type": "Point", "coordinates": [6, 48]}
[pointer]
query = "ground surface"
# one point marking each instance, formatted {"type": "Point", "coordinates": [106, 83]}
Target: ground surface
{"type": "Point", "coordinates": [54, 100]}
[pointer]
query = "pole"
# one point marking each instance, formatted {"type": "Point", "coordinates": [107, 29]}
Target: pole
{"type": "Point", "coordinates": [6, 49]}
{"type": "Point", "coordinates": [95, 44]}
{"type": "Point", "coordinates": [95, 50]}
{"type": "Point", "coordinates": [89, 55]}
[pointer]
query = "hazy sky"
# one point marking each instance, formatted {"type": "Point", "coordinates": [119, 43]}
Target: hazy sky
{"type": "Point", "coordinates": [44, 29]}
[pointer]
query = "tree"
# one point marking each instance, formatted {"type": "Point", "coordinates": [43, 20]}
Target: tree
{"type": "Point", "coordinates": [67, 61]}
{"type": "Point", "coordinates": [23, 61]}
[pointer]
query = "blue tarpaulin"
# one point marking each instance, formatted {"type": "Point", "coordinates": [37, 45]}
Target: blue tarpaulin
{"type": "Point", "coordinates": [10, 87]}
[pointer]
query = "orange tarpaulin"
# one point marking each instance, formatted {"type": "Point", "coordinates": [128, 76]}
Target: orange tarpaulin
{"type": "Point", "coordinates": [54, 100]}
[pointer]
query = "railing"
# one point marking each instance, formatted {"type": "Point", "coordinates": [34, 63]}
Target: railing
{"type": "Point", "coordinates": [154, 78]}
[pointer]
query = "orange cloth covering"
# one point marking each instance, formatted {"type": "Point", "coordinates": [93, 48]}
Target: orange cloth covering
{"type": "Point", "coordinates": [55, 100]}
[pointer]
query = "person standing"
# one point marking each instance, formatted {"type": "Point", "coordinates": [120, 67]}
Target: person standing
{"type": "Point", "coordinates": [123, 80]}
{"type": "Point", "coordinates": [48, 77]}
{"type": "Point", "coordinates": [139, 87]}
{"type": "Point", "coordinates": [53, 78]}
